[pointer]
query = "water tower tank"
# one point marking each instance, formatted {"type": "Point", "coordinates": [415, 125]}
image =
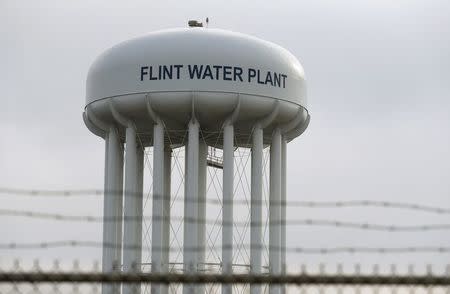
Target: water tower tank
{"type": "Point", "coordinates": [222, 89]}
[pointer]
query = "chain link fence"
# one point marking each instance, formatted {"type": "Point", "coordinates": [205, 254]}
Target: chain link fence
{"type": "Point", "coordinates": [54, 278]}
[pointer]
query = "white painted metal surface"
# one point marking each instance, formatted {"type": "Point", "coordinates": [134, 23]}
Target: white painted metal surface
{"type": "Point", "coordinates": [139, 204]}
{"type": "Point", "coordinates": [202, 171]}
{"type": "Point", "coordinates": [283, 210]}
{"type": "Point", "coordinates": [166, 215]}
{"type": "Point", "coordinates": [275, 209]}
{"type": "Point", "coordinates": [256, 241]}
{"type": "Point", "coordinates": [200, 70]}
{"type": "Point", "coordinates": [268, 70]}
{"type": "Point", "coordinates": [190, 243]}
{"type": "Point", "coordinates": [157, 207]}
{"type": "Point", "coordinates": [132, 249]}
{"type": "Point", "coordinates": [109, 209]}
{"type": "Point", "coordinates": [112, 206]}
{"type": "Point", "coordinates": [193, 79]}
{"type": "Point", "coordinates": [227, 210]}
{"type": "Point", "coordinates": [202, 175]}
{"type": "Point", "coordinates": [117, 187]}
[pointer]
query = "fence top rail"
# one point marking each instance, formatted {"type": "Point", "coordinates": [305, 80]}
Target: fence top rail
{"type": "Point", "coordinates": [169, 278]}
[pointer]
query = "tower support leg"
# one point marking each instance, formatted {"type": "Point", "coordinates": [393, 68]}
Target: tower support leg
{"type": "Point", "coordinates": [132, 216]}
{"type": "Point", "coordinates": [139, 204]}
{"type": "Point", "coordinates": [190, 237]}
{"type": "Point", "coordinates": [256, 207]}
{"type": "Point", "coordinates": [158, 196]}
{"type": "Point", "coordinates": [112, 208]}
{"type": "Point", "coordinates": [202, 169]}
{"type": "Point", "coordinates": [119, 204]}
{"type": "Point", "coordinates": [166, 215]}
{"type": "Point", "coordinates": [275, 209]}
{"type": "Point", "coordinates": [227, 211]}
{"type": "Point", "coordinates": [283, 210]}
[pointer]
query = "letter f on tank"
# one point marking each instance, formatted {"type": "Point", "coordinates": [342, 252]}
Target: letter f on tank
{"type": "Point", "coordinates": [144, 71]}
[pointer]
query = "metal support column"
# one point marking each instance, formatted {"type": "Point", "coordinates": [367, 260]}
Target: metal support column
{"type": "Point", "coordinates": [202, 156]}
{"type": "Point", "coordinates": [202, 169]}
{"type": "Point", "coordinates": [131, 250]}
{"type": "Point", "coordinates": [119, 203]}
{"type": "Point", "coordinates": [166, 216]}
{"type": "Point", "coordinates": [275, 209]}
{"type": "Point", "coordinates": [256, 207]}
{"type": "Point", "coordinates": [139, 204]}
{"type": "Point", "coordinates": [190, 237]}
{"type": "Point", "coordinates": [112, 207]}
{"type": "Point", "coordinates": [283, 210]}
{"type": "Point", "coordinates": [227, 212]}
{"type": "Point", "coordinates": [157, 207]}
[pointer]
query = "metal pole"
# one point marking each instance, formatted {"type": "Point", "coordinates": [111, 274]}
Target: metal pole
{"type": "Point", "coordinates": [275, 209]}
{"type": "Point", "coordinates": [283, 210]}
{"type": "Point", "coordinates": [139, 211]}
{"type": "Point", "coordinates": [113, 205]}
{"type": "Point", "coordinates": [202, 157]}
{"type": "Point", "coordinates": [139, 204]}
{"type": "Point", "coordinates": [132, 199]}
{"type": "Point", "coordinates": [108, 253]}
{"type": "Point", "coordinates": [118, 198]}
{"type": "Point", "coordinates": [166, 215]}
{"type": "Point", "coordinates": [191, 204]}
{"type": "Point", "coordinates": [227, 212]}
{"type": "Point", "coordinates": [202, 166]}
{"type": "Point", "coordinates": [157, 207]}
{"type": "Point", "coordinates": [256, 207]}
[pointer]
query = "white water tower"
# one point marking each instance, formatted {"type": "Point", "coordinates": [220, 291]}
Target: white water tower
{"type": "Point", "coordinates": [193, 88]}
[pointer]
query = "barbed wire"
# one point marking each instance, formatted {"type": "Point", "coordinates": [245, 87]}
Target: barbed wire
{"type": "Point", "coordinates": [199, 278]}
{"type": "Point", "coordinates": [74, 265]}
{"type": "Point", "coordinates": [299, 222]}
{"type": "Point", "coordinates": [306, 204]}
{"type": "Point", "coordinates": [329, 250]}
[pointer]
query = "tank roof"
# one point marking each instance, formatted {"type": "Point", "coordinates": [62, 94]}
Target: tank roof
{"type": "Point", "coordinates": [197, 59]}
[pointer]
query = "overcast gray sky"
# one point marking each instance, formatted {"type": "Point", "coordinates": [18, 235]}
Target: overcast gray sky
{"type": "Point", "coordinates": [379, 95]}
